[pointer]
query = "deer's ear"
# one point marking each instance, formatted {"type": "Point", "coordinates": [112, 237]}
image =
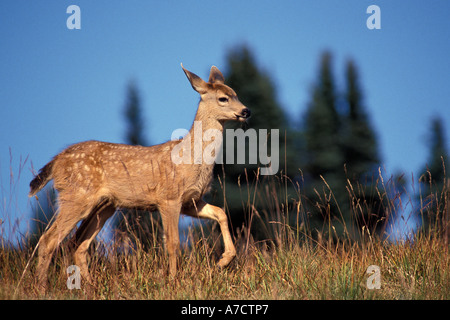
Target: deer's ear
{"type": "Point", "coordinates": [215, 76]}
{"type": "Point", "coordinates": [197, 83]}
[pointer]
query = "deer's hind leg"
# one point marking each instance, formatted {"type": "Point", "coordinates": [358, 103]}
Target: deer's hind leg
{"type": "Point", "coordinates": [68, 215]}
{"type": "Point", "coordinates": [87, 232]}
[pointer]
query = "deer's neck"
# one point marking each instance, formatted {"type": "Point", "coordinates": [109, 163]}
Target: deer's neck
{"type": "Point", "coordinates": [206, 137]}
{"type": "Point", "coordinates": [206, 118]}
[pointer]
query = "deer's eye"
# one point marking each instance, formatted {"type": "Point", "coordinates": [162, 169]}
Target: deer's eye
{"type": "Point", "coordinates": [223, 99]}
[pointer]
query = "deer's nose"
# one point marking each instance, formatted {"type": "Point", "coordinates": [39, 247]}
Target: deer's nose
{"type": "Point", "coordinates": [246, 113]}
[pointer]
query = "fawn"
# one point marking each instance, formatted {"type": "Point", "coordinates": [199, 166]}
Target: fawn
{"type": "Point", "coordinates": [94, 178]}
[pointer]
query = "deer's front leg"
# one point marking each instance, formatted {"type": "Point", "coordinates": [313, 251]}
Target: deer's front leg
{"type": "Point", "coordinates": [170, 214]}
{"type": "Point", "coordinates": [206, 211]}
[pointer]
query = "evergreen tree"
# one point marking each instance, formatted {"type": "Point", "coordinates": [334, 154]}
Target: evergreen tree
{"type": "Point", "coordinates": [339, 144]}
{"type": "Point", "coordinates": [133, 115]}
{"type": "Point", "coordinates": [322, 127]}
{"type": "Point", "coordinates": [360, 154]}
{"type": "Point", "coordinates": [360, 143]}
{"type": "Point", "coordinates": [257, 91]}
{"type": "Point", "coordinates": [323, 147]}
{"type": "Point", "coordinates": [438, 156]}
{"type": "Point", "coordinates": [433, 176]}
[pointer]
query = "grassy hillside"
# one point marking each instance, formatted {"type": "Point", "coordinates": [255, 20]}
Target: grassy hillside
{"type": "Point", "coordinates": [417, 269]}
{"type": "Point", "coordinates": [299, 261]}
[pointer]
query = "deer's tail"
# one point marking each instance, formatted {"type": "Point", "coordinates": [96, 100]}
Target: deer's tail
{"type": "Point", "coordinates": [43, 177]}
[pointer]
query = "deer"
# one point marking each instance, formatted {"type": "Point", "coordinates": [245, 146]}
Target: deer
{"type": "Point", "coordinates": [95, 178]}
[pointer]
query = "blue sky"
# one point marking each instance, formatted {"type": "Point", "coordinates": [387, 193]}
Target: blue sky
{"type": "Point", "coordinates": [61, 86]}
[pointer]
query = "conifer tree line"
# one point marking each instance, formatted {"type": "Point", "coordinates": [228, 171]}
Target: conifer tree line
{"type": "Point", "coordinates": [334, 142]}
{"type": "Point", "coordinates": [331, 158]}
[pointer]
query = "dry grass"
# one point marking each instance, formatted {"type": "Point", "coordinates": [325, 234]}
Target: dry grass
{"type": "Point", "coordinates": [299, 262]}
{"type": "Point", "coordinates": [412, 270]}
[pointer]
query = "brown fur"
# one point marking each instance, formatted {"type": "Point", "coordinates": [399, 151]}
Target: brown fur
{"type": "Point", "coordinates": [94, 178]}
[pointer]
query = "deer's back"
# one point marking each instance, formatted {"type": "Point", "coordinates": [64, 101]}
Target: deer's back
{"type": "Point", "coordinates": [131, 176]}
